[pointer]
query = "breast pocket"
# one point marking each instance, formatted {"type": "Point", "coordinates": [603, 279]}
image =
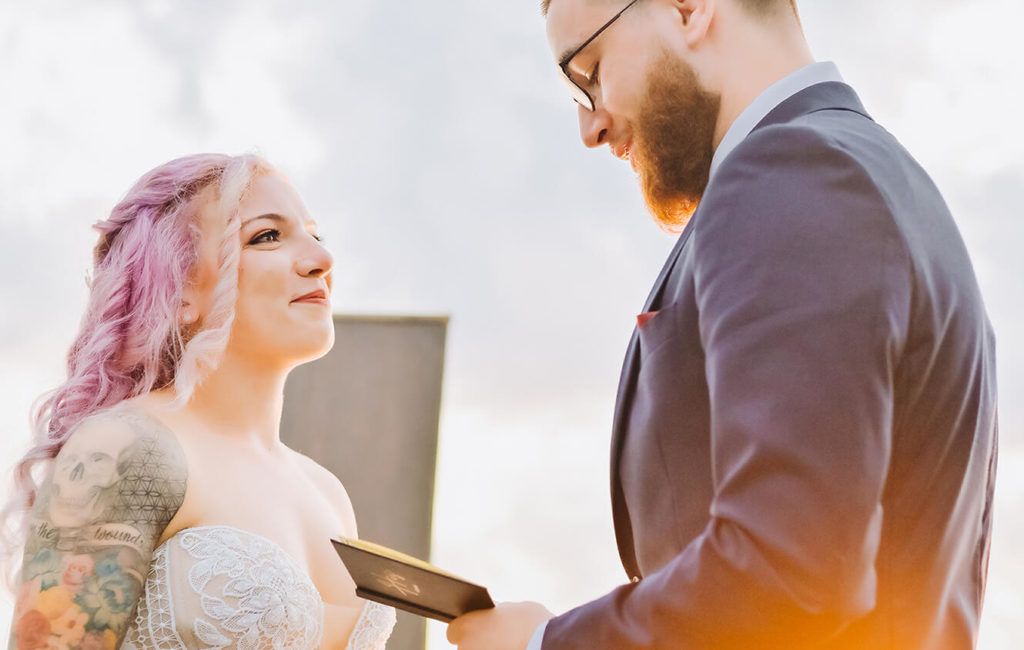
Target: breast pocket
{"type": "Point", "coordinates": [656, 328]}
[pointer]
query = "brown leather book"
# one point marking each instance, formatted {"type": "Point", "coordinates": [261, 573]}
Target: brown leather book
{"type": "Point", "coordinates": [388, 576]}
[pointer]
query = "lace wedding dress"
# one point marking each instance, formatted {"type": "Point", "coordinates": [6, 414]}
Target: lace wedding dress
{"type": "Point", "coordinates": [223, 587]}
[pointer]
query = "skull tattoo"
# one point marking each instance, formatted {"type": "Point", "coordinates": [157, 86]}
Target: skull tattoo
{"type": "Point", "coordinates": [82, 474]}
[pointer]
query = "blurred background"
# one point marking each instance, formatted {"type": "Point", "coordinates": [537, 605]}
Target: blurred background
{"type": "Point", "coordinates": [440, 155]}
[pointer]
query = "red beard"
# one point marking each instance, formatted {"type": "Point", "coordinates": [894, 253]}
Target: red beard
{"type": "Point", "coordinates": [674, 141]}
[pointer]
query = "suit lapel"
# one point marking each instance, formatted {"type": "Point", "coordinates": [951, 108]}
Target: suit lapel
{"type": "Point", "coordinates": [632, 352]}
{"type": "Point", "coordinates": [627, 385]}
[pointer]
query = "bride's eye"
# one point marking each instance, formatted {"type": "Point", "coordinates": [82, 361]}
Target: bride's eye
{"type": "Point", "coordinates": [266, 236]}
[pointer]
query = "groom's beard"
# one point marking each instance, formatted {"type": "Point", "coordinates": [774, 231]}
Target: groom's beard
{"type": "Point", "coordinates": [675, 129]}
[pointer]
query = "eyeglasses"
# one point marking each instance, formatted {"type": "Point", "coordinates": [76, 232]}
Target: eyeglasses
{"type": "Point", "coordinates": [581, 96]}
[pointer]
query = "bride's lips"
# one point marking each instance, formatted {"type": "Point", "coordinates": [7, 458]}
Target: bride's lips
{"type": "Point", "coordinates": [318, 297]}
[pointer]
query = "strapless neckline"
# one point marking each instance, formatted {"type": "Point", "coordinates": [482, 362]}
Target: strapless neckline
{"type": "Point", "coordinates": [217, 586]}
{"type": "Point", "coordinates": [235, 529]}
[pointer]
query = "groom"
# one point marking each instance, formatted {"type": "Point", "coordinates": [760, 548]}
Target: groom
{"type": "Point", "coordinates": [804, 442]}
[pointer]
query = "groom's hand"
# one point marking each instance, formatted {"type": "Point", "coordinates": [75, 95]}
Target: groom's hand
{"type": "Point", "coordinates": [508, 626]}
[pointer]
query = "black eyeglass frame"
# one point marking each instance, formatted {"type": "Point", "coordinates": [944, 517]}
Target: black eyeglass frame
{"type": "Point", "coordinates": [574, 88]}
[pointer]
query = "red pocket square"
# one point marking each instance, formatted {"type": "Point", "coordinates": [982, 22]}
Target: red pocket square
{"type": "Point", "coordinates": [642, 319]}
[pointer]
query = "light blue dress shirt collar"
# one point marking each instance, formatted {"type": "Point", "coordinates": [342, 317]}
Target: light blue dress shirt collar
{"type": "Point", "coordinates": [772, 96]}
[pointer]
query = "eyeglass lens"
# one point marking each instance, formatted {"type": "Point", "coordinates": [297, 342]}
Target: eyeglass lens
{"type": "Point", "coordinates": [576, 92]}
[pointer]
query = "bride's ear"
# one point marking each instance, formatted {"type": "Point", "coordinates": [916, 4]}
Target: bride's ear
{"type": "Point", "coordinates": [188, 313]}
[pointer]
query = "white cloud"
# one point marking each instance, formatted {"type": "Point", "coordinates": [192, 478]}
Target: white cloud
{"type": "Point", "coordinates": [87, 105]}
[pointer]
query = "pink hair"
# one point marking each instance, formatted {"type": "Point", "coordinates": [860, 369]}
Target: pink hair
{"type": "Point", "coordinates": [129, 341]}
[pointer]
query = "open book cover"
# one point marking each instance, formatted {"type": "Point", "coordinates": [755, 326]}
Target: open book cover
{"type": "Point", "coordinates": [387, 576]}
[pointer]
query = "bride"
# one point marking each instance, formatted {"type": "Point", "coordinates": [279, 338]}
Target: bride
{"type": "Point", "coordinates": [158, 507]}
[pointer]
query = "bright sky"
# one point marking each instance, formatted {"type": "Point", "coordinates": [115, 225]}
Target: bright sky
{"type": "Point", "coordinates": [439, 153]}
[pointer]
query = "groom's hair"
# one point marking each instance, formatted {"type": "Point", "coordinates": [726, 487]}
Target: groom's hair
{"type": "Point", "coordinates": [761, 8]}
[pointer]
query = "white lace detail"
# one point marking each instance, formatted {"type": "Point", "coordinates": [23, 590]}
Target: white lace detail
{"type": "Point", "coordinates": [251, 595]}
{"type": "Point", "coordinates": [266, 603]}
{"type": "Point", "coordinates": [373, 627]}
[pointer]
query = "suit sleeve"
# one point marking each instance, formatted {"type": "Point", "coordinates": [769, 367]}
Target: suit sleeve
{"type": "Point", "coordinates": [802, 283]}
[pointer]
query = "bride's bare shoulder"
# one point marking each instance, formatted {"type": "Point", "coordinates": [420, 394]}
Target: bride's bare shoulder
{"type": "Point", "coordinates": [331, 487]}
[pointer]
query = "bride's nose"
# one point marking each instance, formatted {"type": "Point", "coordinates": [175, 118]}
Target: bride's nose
{"type": "Point", "coordinates": [315, 260]}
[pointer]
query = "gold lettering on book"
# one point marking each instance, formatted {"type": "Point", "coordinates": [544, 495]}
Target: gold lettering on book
{"type": "Point", "coordinates": [395, 582]}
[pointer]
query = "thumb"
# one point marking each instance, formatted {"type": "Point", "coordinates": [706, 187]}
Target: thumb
{"type": "Point", "coordinates": [454, 632]}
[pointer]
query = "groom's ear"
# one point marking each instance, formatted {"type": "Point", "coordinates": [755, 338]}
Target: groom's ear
{"type": "Point", "coordinates": [693, 19]}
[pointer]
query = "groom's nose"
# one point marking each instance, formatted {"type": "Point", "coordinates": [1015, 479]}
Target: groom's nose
{"type": "Point", "coordinates": [594, 126]}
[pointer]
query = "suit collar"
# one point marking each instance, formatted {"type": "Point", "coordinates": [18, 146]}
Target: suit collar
{"type": "Point", "coordinates": [778, 92]}
{"type": "Point", "coordinates": [831, 95]}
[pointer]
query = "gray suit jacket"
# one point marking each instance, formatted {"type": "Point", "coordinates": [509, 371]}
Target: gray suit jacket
{"type": "Point", "coordinates": [805, 436]}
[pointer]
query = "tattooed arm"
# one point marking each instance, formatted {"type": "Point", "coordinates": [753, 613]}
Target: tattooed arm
{"type": "Point", "coordinates": [107, 499]}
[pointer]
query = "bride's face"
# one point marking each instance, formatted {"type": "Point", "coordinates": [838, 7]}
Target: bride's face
{"type": "Point", "coordinates": [281, 262]}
